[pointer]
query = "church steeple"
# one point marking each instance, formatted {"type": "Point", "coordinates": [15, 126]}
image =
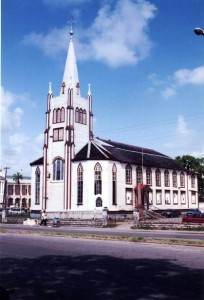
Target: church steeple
{"type": "Point", "coordinates": [70, 78]}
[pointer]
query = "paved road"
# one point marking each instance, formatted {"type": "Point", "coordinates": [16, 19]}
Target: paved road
{"type": "Point", "coordinates": [42, 267]}
{"type": "Point", "coordinates": [122, 230]}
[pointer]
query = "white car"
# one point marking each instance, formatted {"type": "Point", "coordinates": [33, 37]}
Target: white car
{"type": "Point", "coordinates": [16, 210]}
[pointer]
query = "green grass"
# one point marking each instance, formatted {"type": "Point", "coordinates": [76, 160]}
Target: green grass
{"type": "Point", "coordinates": [107, 238]}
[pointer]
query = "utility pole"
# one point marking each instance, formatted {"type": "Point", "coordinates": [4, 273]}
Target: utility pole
{"type": "Point", "coordinates": [5, 186]}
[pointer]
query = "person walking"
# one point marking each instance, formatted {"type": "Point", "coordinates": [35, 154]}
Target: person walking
{"type": "Point", "coordinates": [136, 217]}
{"type": "Point", "coordinates": [43, 218]}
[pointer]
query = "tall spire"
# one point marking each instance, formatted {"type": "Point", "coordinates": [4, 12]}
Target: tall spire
{"type": "Point", "coordinates": [70, 78]}
{"type": "Point", "coordinates": [50, 88]}
{"type": "Point", "coordinates": [89, 89]}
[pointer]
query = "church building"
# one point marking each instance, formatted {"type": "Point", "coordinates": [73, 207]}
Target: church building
{"type": "Point", "coordinates": [80, 173]}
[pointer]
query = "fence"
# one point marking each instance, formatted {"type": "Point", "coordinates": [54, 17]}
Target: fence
{"type": "Point", "coordinates": [80, 215]}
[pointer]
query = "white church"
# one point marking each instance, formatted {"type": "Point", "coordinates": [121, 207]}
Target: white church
{"type": "Point", "coordinates": [81, 173]}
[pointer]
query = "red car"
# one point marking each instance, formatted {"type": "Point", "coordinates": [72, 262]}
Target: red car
{"type": "Point", "coordinates": [193, 218]}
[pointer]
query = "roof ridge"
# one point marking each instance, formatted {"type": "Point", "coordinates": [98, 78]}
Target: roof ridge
{"type": "Point", "coordinates": [101, 150]}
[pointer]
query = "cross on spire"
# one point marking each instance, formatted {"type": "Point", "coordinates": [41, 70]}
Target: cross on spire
{"type": "Point", "coordinates": [71, 22]}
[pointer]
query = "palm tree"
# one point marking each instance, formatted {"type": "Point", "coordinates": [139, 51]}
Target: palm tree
{"type": "Point", "coordinates": [17, 177]}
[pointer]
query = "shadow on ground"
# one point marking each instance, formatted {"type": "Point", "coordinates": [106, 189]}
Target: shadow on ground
{"type": "Point", "coordinates": [99, 277]}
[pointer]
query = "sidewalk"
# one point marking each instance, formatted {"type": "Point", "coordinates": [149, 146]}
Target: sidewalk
{"type": "Point", "coordinates": [124, 226]}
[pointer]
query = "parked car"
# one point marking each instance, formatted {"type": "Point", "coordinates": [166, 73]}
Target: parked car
{"type": "Point", "coordinates": [171, 213]}
{"type": "Point", "coordinates": [193, 212]}
{"type": "Point", "coordinates": [16, 210]}
{"type": "Point", "coordinates": [196, 218]}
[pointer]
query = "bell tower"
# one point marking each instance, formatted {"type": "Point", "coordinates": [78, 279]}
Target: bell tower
{"type": "Point", "coordinates": [69, 126]}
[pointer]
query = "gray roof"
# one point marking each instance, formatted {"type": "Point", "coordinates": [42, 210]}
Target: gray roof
{"type": "Point", "coordinates": [100, 149]}
{"type": "Point", "coordinates": [37, 162]}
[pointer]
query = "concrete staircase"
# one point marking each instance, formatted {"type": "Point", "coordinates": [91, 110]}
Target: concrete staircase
{"type": "Point", "coordinates": [154, 215]}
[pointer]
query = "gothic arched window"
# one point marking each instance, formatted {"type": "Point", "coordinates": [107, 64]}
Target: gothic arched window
{"type": "Point", "coordinates": [158, 177]}
{"type": "Point", "coordinates": [58, 115]}
{"type": "Point", "coordinates": [193, 181]}
{"type": "Point", "coordinates": [139, 175]}
{"type": "Point", "coordinates": [114, 185]}
{"type": "Point", "coordinates": [77, 115]}
{"type": "Point", "coordinates": [84, 117]}
{"type": "Point", "coordinates": [149, 176]}
{"type": "Point", "coordinates": [37, 186]}
{"type": "Point", "coordinates": [80, 185]}
{"type": "Point", "coordinates": [128, 174]}
{"type": "Point", "coordinates": [182, 180]}
{"type": "Point", "coordinates": [174, 178]}
{"type": "Point", "coordinates": [81, 116]}
{"type": "Point", "coordinates": [166, 178]}
{"type": "Point", "coordinates": [54, 116]}
{"type": "Point", "coordinates": [97, 179]}
{"type": "Point", "coordinates": [62, 118]}
{"type": "Point", "coordinates": [58, 169]}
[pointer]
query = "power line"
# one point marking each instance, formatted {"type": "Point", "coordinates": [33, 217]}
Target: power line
{"type": "Point", "coordinates": [150, 124]}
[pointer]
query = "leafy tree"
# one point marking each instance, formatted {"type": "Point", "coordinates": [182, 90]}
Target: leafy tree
{"type": "Point", "coordinates": [17, 177]}
{"type": "Point", "coordinates": [196, 165]}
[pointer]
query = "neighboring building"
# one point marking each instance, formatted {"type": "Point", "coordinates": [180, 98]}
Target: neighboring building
{"type": "Point", "coordinates": [18, 194]}
{"type": "Point", "coordinates": [81, 173]}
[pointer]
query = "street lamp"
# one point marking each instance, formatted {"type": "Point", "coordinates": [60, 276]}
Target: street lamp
{"type": "Point", "coordinates": [199, 31]}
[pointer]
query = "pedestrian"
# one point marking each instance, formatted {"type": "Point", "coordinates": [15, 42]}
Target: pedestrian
{"type": "Point", "coordinates": [136, 217]}
{"type": "Point", "coordinates": [43, 218]}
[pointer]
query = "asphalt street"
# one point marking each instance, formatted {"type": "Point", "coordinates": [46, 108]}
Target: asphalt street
{"type": "Point", "coordinates": [122, 230]}
{"type": "Point", "coordinates": [43, 267]}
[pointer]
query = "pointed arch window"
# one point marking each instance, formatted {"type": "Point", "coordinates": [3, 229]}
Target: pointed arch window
{"type": "Point", "coordinates": [182, 180]}
{"type": "Point", "coordinates": [97, 179]}
{"type": "Point", "coordinates": [128, 174]}
{"type": "Point", "coordinates": [149, 176]}
{"type": "Point", "coordinates": [77, 115]}
{"type": "Point", "coordinates": [58, 115]}
{"type": "Point", "coordinates": [62, 117]}
{"type": "Point", "coordinates": [114, 185]}
{"type": "Point", "coordinates": [37, 186]}
{"type": "Point", "coordinates": [166, 178]}
{"type": "Point", "coordinates": [139, 175]}
{"type": "Point", "coordinates": [174, 179]}
{"type": "Point", "coordinates": [58, 169]}
{"type": "Point", "coordinates": [158, 177]}
{"type": "Point", "coordinates": [193, 181]}
{"type": "Point", "coordinates": [84, 117]}
{"type": "Point", "coordinates": [81, 116]}
{"type": "Point", "coordinates": [80, 185]}
{"type": "Point", "coordinates": [54, 116]}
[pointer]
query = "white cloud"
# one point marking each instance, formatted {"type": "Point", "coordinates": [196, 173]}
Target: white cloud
{"type": "Point", "coordinates": [168, 93]}
{"type": "Point", "coordinates": [118, 35]}
{"type": "Point", "coordinates": [186, 76]}
{"type": "Point", "coordinates": [182, 126]}
{"type": "Point", "coordinates": [185, 140]}
{"type": "Point", "coordinates": [10, 115]}
{"type": "Point", "coordinates": [17, 149]}
{"type": "Point", "coordinates": [182, 77]}
{"type": "Point", "coordinates": [20, 150]}
{"type": "Point", "coordinates": [51, 44]}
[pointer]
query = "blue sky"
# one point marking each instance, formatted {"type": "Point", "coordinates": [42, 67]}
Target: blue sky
{"type": "Point", "coordinates": [144, 63]}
